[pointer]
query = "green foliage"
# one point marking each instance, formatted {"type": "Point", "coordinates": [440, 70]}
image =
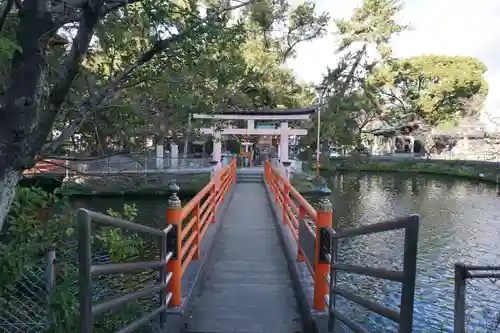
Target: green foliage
{"type": "Point", "coordinates": [214, 62]}
{"type": "Point", "coordinates": [433, 88]}
{"type": "Point", "coordinates": [29, 229]}
{"type": "Point", "coordinates": [368, 91]}
{"type": "Point", "coordinates": [119, 245]}
{"type": "Point", "coordinates": [39, 220]}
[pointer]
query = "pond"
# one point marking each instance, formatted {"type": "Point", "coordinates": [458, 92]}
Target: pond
{"type": "Point", "coordinates": [459, 222]}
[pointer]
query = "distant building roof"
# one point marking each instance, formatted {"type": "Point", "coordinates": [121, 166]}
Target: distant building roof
{"type": "Point", "coordinates": [397, 130]}
{"type": "Point", "coordinates": [270, 112]}
{"type": "Point", "coordinates": [470, 126]}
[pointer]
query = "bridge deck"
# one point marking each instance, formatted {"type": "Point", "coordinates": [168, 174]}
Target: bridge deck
{"type": "Point", "coordinates": [248, 287]}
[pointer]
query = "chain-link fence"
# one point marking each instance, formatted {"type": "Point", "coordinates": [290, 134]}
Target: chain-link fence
{"type": "Point", "coordinates": [44, 299]}
{"type": "Point", "coordinates": [24, 305]}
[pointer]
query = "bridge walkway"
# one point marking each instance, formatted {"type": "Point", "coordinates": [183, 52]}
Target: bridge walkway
{"type": "Point", "coordinates": [249, 288]}
{"type": "Point", "coordinates": [248, 254]}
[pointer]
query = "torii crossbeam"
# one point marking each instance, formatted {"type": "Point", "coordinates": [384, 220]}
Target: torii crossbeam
{"type": "Point", "coordinates": [250, 116]}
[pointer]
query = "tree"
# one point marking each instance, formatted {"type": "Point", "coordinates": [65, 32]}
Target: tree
{"type": "Point", "coordinates": [364, 45]}
{"type": "Point", "coordinates": [130, 65]}
{"type": "Point", "coordinates": [432, 88]}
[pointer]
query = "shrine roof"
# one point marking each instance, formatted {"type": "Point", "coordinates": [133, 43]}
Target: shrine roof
{"type": "Point", "coordinates": [270, 112]}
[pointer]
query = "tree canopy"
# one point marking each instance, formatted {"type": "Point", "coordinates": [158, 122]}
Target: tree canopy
{"type": "Point", "coordinates": [100, 76]}
{"type": "Point", "coordinates": [95, 77]}
{"type": "Point", "coordinates": [371, 87]}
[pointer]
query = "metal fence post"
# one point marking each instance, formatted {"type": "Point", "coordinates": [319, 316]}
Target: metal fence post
{"type": "Point", "coordinates": [409, 274]}
{"type": "Point", "coordinates": [174, 217]}
{"type": "Point", "coordinates": [321, 269]}
{"type": "Point", "coordinates": [460, 286]}
{"type": "Point", "coordinates": [50, 258]}
{"type": "Point", "coordinates": [84, 275]}
{"type": "Point", "coordinates": [163, 278]}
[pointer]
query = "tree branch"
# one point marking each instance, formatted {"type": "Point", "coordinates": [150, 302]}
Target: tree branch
{"type": "Point", "coordinates": [5, 12]}
{"type": "Point", "coordinates": [158, 47]}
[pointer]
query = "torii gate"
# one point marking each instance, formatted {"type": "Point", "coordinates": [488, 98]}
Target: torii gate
{"type": "Point", "coordinates": [283, 131]}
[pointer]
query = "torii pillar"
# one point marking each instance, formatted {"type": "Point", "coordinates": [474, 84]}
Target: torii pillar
{"type": "Point", "coordinates": [217, 150]}
{"type": "Point", "coordinates": [284, 142]}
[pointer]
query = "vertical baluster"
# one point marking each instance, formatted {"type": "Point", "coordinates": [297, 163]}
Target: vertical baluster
{"type": "Point", "coordinates": [324, 220]}
{"type": "Point", "coordinates": [196, 228]}
{"type": "Point", "coordinates": [302, 217]}
{"type": "Point", "coordinates": [286, 198]}
{"type": "Point", "coordinates": [174, 217]}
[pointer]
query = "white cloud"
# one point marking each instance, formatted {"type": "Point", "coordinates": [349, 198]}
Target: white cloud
{"type": "Point", "coordinates": [451, 27]}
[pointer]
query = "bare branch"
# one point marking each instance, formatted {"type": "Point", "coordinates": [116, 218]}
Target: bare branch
{"type": "Point", "coordinates": [5, 12]}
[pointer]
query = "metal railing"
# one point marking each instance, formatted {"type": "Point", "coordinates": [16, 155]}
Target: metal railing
{"type": "Point", "coordinates": [301, 218]}
{"type": "Point", "coordinates": [192, 221]}
{"type": "Point", "coordinates": [120, 164]}
{"type": "Point", "coordinates": [180, 244]}
{"type": "Point", "coordinates": [462, 274]}
{"type": "Point", "coordinates": [87, 271]}
{"type": "Point", "coordinates": [329, 254]}
{"type": "Point", "coordinates": [314, 236]}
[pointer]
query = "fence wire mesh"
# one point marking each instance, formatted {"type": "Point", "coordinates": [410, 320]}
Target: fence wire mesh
{"type": "Point", "coordinates": [44, 303]}
{"type": "Point", "coordinates": [24, 304]}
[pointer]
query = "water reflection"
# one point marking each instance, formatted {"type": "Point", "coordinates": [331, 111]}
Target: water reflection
{"type": "Point", "coordinates": [459, 222]}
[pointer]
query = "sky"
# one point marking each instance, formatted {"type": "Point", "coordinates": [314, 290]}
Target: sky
{"type": "Point", "coordinates": [449, 27]}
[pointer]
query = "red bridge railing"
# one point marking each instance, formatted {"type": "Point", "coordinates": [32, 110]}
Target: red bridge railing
{"type": "Point", "coordinates": [295, 208]}
{"type": "Point", "coordinates": [190, 224]}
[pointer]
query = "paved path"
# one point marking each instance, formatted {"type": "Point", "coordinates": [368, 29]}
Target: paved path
{"type": "Point", "coordinates": [248, 289]}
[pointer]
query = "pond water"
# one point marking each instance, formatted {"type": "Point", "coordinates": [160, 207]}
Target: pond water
{"type": "Point", "coordinates": [459, 222]}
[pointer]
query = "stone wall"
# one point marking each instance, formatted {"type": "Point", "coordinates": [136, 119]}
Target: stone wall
{"type": "Point", "coordinates": [479, 170]}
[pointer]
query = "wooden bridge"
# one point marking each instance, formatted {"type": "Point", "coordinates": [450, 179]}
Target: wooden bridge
{"type": "Point", "coordinates": [248, 254]}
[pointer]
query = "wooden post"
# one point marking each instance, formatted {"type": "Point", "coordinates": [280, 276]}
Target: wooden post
{"type": "Point", "coordinates": [174, 217]}
{"type": "Point", "coordinates": [324, 220]}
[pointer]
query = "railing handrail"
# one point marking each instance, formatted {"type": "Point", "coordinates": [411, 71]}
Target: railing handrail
{"type": "Point", "coordinates": [87, 271]}
{"type": "Point", "coordinates": [462, 274]}
{"type": "Point", "coordinates": [293, 191]}
{"type": "Point", "coordinates": [406, 277]}
{"type": "Point", "coordinates": [179, 245]}
{"type": "Point", "coordinates": [191, 222]}
{"type": "Point", "coordinates": [322, 257]}
{"type": "Point", "coordinates": [284, 193]}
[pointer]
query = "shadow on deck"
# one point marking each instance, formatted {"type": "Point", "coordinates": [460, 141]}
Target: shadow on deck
{"type": "Point", "coordinates": [248, 287]}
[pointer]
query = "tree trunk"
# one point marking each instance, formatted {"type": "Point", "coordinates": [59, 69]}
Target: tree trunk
{"type": "Point", "coordinates": [20, 114]}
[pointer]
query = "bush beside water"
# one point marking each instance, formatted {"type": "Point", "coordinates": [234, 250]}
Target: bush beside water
{"type": "Point", "coordinates": [38, 221]}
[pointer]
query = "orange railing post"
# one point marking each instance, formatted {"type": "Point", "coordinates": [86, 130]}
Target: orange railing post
{"type": "Point", "coordinates": [321, 270]}
{"type": "Point", "coordinates": [197, 227]}
{"type": "Point", "coordinates": [214, 201]}
{"type": "Point", "coordinates": [302, 216]}
{"type": "Point", "coordinates": [286, 198]}
{"type": "Point", "coordinates": [174, 217]}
